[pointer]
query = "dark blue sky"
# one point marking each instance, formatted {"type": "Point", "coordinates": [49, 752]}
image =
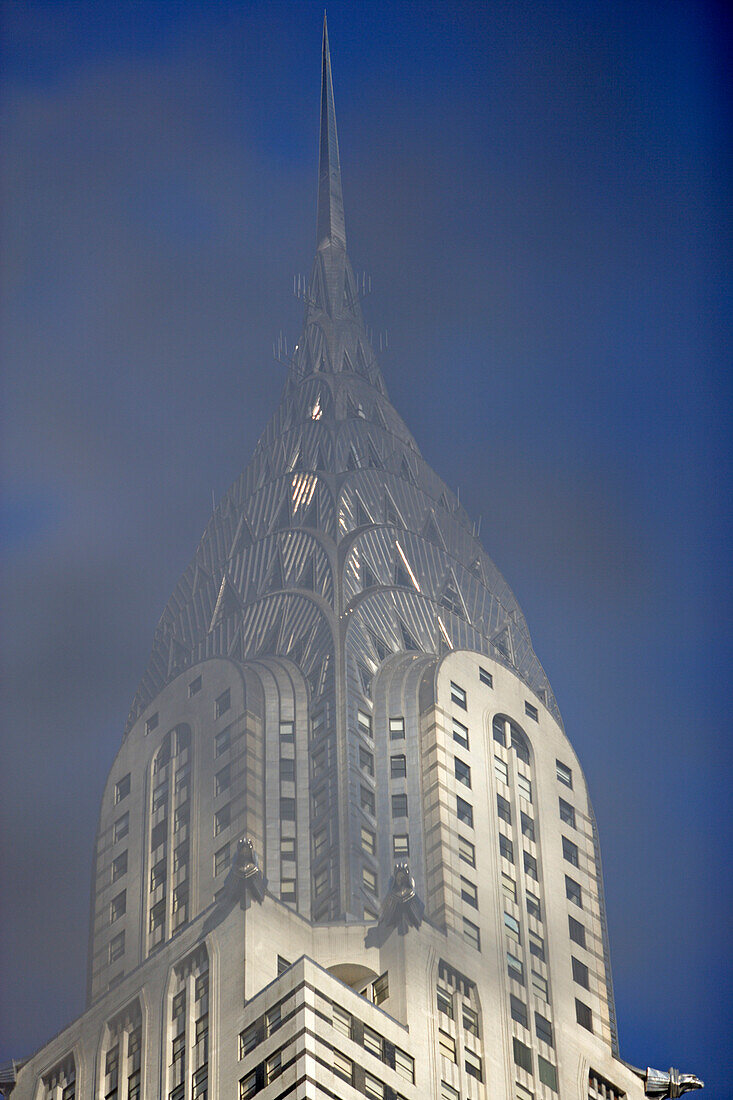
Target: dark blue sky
{"type": "Point", "coordinates": [541, 193]}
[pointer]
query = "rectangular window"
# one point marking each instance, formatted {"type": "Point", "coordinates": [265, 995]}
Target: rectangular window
{"type": "Point", "coordinates": [464, 811]}
{"type": "Point", "coordinates": [471, 934]}
{"type": "Point", "coordinates": [194, 687]}
{"type": "Point", "coordinates": [221, 859]}
{"type": "Point", "coordinates": [397, 729]}
{"type": "Point", "coordinates": [160, 797]}
{"type": "Point", "coordinates": [248, 1039]}
{"type": "Point", "coordinates": [343, 1067]}
{"type": "Point", "coordinates": [543, 1027]}
{"type": "Point", "coordinates": [180, 856]}
{"type": "Point", "coordinates": [157, 835]}
{"type": "Point", "coordinates": [527, 826]}
{"type": "Point", "coordinates": [320, 881]}
{"type": "Point", "coordinates": [223, 780]}
{"type": "Point", "coordinates": [537, 947]}
{"type": "Point", "coordinates": [469, 893]}
{"type": "Point", "coordinates": [222, 741]}
{"type": "Point", "coordinates": [530, 865]}
{"type": "Point", "coordinates": [445, 1001]}
{"type": "Point", "coordinates": [369, 879]}
{"type": "Point", "coordinates": [368, 840]}
{"type": "Point", "coordinates": [583, 1015]}
{"type": "Point", "coordinates": [399, 805]}
{"type": "Point", "coordinates": [519, 1010]}
{"type": "Point", "coordinates": [447, 1092]}
{"type": "Point", "coordinates": [460, 733]}
{"type": "Point", "coordinates": [401, 846]}
{"type": "Point", "coordinates": [178, 1006]}
{"type": "Point", "coordinates": [200, 1083]}
{"type": "Point", "coordinates": [282, 965]}
{"type": "Point", "coordinates": [119, 866]}
{"type": "Point", "coordinates": [573, 892]}
{"type": "Point", "coordinates": [118, 907]}
{"type": "Point", "coordinates": [580, 973]}
{"type": "Point", "coordinates": [367, 800]}
{"type": "Point", "coordinates": [509, 886]}
{"type": "Point", "coordinates": [570, 851]}
{"type": "Point", "coordinates": [223, 703]}
{"type": "Point", "coordinates": [564, 774]}
{"type": "Point", "coordinates": [287, 733]}
{"type": "Point", "coordinates": [506, 847]}
{"type": "Point", "coordinates": [373, 1088]}
{"type": "Point", "coordinates": [288, 889]}
{"type": "Point", "coordinates": [117, 947]}
{"type": "Point", "coordinates": [470, 1020]}
{"type": "Point", "coordinates": [524, 786]}
{"type": "Point", "coordinates": [534, 908]}
{"type": "Point", "coordinates": [366, 760]}
{"type": "Point", "coordinates": [343, 1021]}
{"type": "Point", "coordinates": [577, 931]}
{"type": "Point", "coordinates": [458, 696]}
{"type": "Point", "coordinates": [515, 967]}
{"type": "Point", "coordinates": [547, 1073]}
{"type": "Point", "coordinates": [466, 851]}
{"type": "Point", "coordinates": [152, 723]}
{"type": "Point", "coordinates": [380, 988]}
{"type": "Point", "coordinates": [320, 844]}
{"type": "Point", "coordinates": [404, 1065]}
{"type": "Point", "coordinates": [397, 767]}
{"type": "Point", "coordinates": [122, 788]}
{"type": "Point", "coordinates": [319, 763]}
{"type": "Point", "coordinates": [372, 1042]}
{"type": "Point", "coordinates": [501, 771]}
{"type": "Point", "coordinates": [222, 818]}
{"type": "Point", "coordinates": [180, 898]}
{"type": "Point", "coordinates": [522, 1055]}
{"type": "Point", "coordinates": [157, 874]}
{"type": "Point", "coordinates": [121, 828]}
{"type": "Point", "coordinates": [447, 1045]}
{"type": "Point", "coordinates": [485, 677]}
{"type": "Point", "coordinates": [180, 818]}
{"type": "Point", "coordinates": [364, 722]}
{"type": "Point", "coordinates": [539, 984]}
{"type": "Point", "coordinates": [567, 813]}
{"type": "Point", "coordinates": [473, 1065]}
{"type": "Point", "coordinates": [273, 1020]}
{"type": "Point", "coordinates": [248, 1086]}
{"type": "Point", "coordinates": [183, 778]}
{"type": "Point", "coordinates": [157, 915]}
{"type": "Point", "coordinates": [287, 809]}
{"type": "Point", "coordinates": [531, 711]}
{"type": "Point", "coordinates": [503, 809]}
{"type": "Point", "coordinates": [511, 925]}
{"type": "Point", "coordinates": [462, 772]}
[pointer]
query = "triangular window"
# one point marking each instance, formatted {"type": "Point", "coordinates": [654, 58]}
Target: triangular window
{"type": "Point", "coordinates": [362, 516]}
{"type": "Point", "coordinates": [381, 648]}
{"type": "Point", "coordinates": [307, 578]}
{"type": "Point", "coordinates": [368, 576]}
{"type": "Point", "coordinates": [270, 642]}
{"type": "Point", "coordinates": [379, 417]}
{"type": "Point", "coordinates": [408, 642]}
{"type": "Point", "coordinates": [375, 460]}
{"type": "Point", "coordinates": [391, 511]}
{"type": "Point", "coordinates": [243, 537]}
{"type": "Point", "coordinates": [227, 602]}
{"type": "Point", "coordinates": [361, 363]}
{"type": "Point", "coordinates": [346, 364]}
{"type": "Point", "coordinates": [276, 577]}
{"type": "Point", "coordinates": [431, 530]}
{"type": "Point", "coordinates": [450, 596]}
{"type": "Point", "coordinates": [352, 460]}
{"type": "Point", "coordinates": [407, 472]}
{"type": "Point", "coordinates": [366, 681]}
{"type": "Point", "coordinates": [282, 519]}
{"type": "Point", "coordinates": [503, 643]}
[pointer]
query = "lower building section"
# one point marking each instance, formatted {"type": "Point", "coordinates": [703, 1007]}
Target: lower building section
{"type": "Point", "coordinates": [253, 1000]}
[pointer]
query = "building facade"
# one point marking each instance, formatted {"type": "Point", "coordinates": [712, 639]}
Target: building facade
{"type": "Point", "coordinates": [345, 848]}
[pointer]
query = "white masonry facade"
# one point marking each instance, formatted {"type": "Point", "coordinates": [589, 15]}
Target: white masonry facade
{"type": "Point", "coordinates": [345, 849]}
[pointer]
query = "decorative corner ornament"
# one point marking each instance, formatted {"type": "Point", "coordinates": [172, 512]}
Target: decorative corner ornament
{"type": "Point", "coordinates": [246, 873]}
{"type": "Point", "coordinates": [669, 1085]}
{"type": "Point", "coordinates": [402, 907]}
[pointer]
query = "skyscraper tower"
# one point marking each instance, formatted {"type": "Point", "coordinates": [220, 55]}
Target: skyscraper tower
{"type": "Point", "coordinates": [345, 848]}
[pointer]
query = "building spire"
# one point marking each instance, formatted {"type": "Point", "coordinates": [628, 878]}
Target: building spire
{"type": "Point", "coordinates": [331, 227]}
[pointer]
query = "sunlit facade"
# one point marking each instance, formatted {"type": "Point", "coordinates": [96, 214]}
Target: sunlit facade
{"type": "Point", "coordinates": [345, 848]}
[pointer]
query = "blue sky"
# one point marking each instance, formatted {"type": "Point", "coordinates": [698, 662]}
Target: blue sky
{"type": "Point", "coordinates": [540, 192]}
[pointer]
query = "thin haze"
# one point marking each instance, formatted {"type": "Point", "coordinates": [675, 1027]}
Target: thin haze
{"type": "Point", "coordinates": [539, 193]}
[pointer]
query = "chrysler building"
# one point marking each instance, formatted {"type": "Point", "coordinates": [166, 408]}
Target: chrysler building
{"type": "Point", "coordinates": [346, 848]}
